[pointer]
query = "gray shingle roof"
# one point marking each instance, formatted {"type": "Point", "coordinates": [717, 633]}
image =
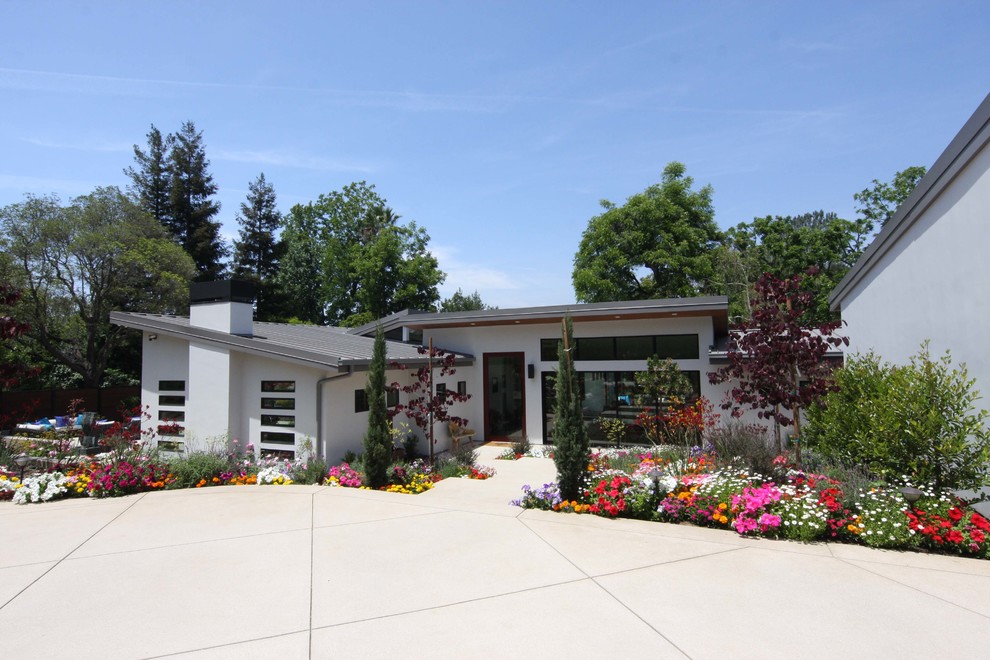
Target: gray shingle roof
{"type": "Point", "coordinates": [320, 346]}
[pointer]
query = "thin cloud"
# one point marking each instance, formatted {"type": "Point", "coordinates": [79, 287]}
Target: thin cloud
{"type": "Point", "coordinates": [45, 186]}
{"type": "Point", "coordinates": [290, 159]}
{"type": "Point", "coordinates": [75, 83]}
{"type": "Point", "coordinates": [470, 277]}
{"type": "Point", "coordinates": [811, 46]}
{"type": "Point", "coordinates": [103, 147]}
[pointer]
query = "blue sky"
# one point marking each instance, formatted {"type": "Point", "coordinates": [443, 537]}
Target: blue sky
{"type": "Point", "coordinates": [497, 126]}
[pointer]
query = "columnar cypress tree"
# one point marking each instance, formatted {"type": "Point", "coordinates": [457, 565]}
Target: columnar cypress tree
{"type": "Point", "coordinates": [378, 439]}
{"type": "Point", "coordinates": [571, 451]}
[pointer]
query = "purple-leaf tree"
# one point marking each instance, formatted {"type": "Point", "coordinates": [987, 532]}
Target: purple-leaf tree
{"type": "Point", "coordinates": [426, 405]}
{"type": "Point", "coordinates": [777, 360]}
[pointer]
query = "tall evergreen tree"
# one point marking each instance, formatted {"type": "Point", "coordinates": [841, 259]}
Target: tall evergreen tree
{"type": "Point", "coordinates": [258, 250]}
{"type": "Point", "coordinates": [571, 450]}
{"type": "Point", "coordinates": [151, 179]}
{"type": "Point", "coordinates": [378, 438]}
{"type": "Point", "coordinates": [172, 182]}
{"type": "Point", "coordinates": [191, 187]}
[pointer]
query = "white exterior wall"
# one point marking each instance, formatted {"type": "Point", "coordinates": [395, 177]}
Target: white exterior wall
{"type": "Point", "coordinates": [225, 316]}
{"type": "Point", "coordinates": [246, 427]}
{"type": "Point", "coordinates": [933, 283]}
{"type": "Point", "coordinates": [208, 398]}
{"type": "Point", "coordinates": [526, 338]}
{"type": "Point", "coordinates": [344, 429]}
{"type": "Point", "coordinates": [163, 358]}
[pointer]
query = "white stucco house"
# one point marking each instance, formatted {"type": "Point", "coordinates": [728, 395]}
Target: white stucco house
{"type": "Point", "coordinates": [279, 386]}
{"type": "Point", "coordinates": [925, 276]}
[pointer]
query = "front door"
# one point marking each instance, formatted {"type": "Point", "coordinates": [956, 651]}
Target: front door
{"type": "Point", "coordinates": [505, 399]}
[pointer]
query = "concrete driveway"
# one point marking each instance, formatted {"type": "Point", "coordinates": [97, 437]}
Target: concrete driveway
{"type": "Point", "coordinates": [311, 572]}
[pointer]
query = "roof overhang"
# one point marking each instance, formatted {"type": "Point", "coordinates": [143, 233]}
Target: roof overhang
{"type": "Point", "coordinates": [716, 307]}
{"type": "Point", "coordinates": [177, 327]}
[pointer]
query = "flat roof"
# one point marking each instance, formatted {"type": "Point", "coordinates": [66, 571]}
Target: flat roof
{"type": "Point", "coordinates": [714, 306]}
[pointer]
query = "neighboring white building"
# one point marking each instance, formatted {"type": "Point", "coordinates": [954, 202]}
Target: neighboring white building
{"type": "Point", "coordinates": [217, 374]}
{"type": "Point", "coordinates": [925, 277]}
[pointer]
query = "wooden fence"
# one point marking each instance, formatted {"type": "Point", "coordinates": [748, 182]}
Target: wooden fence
{"type": "Point", "coordinates": [33, 404]}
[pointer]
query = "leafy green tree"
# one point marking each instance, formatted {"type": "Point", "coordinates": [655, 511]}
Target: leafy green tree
{"type": "Point", "coordinates": [659, 244]}
{"type": "Point", "coordinates": [78, 263]}
{"type": "Point", "coordinates": [257, 251]}
{"type": "Point", "coordinates": [918, 420]}
{"type": "Point", "coordinates": [788, 246]}
{"type": "Point", "coordinates": [378, 438]}
{"type": "Point", "coordinates": [300, 269]}
{"type": "Point", "coordinates": [151, 180]}
{"type": "Point", "coordinates": [878, 203]}
{"type": "Point", "coordinates": [458, 302]}
{"type": "Point", "coordinates": [191, 189]}
{"type": "Point", "coordinates": [368, 265]}
{"type": "Point", "coordinates": [661, 380]}
{"type": "Point", "coordinates": [570, 437]}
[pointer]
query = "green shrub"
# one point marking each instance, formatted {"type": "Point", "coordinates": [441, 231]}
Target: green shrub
{"type": "Point", "coordinates": [314, 471]}
{"type": "Point", "coordinates": [192, 468]}
{"type": "Point", "coordinates": [917, 420]}
{"type": "Point", "coordinates": [448, 467]}
{"type": "Point", "coordinates": [736, 443]}
{"type": "Point", "coordinates": [465, 455]}
{"type": "Point", "coordinates": [522, 446]}
{"type": "Point", "coordinates": [409, 445]}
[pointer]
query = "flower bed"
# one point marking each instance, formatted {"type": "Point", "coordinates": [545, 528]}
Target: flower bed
{"type": "Point", "coordinates": [790, 504]}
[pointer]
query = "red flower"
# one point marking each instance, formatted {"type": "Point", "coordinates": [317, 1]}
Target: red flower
{"type": "Point", "coordinates": [954, 536]}
{"type": "Point", "coordinates": [955, 514]}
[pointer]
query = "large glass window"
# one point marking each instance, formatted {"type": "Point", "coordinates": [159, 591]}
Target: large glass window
{"type": "Point", "coordinates": [603, 394]}
{"type": "Point", "coordinates": [633, 348]}
{"type": "Point", "coordinates": [595, 348]}
{"type": "Point", "coordinates": [677, 347]}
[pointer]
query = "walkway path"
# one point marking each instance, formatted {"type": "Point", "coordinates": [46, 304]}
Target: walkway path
{"type": "Point", "coordinates": [300, 571]}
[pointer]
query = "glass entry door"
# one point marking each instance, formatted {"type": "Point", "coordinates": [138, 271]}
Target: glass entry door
{"type": "Point", "coordinates": [505, 400]}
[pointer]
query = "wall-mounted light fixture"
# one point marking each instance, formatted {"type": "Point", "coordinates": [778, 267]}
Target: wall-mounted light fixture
{"type": "Point", "coordinates": [152, 337]}
{"type": "Point", "coordinates": [531, 370]}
